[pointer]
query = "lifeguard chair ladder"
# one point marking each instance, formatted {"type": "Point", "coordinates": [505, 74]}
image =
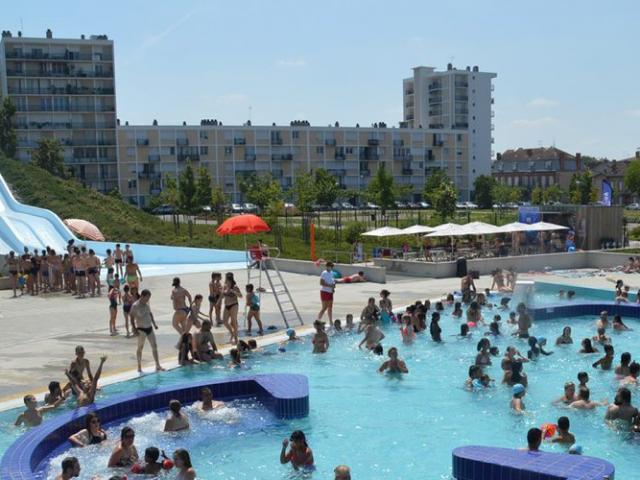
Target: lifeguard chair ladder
{"type": "Point", "coordinates": [259, 261]}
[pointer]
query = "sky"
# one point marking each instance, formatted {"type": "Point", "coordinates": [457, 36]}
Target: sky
{"type": "Point", "coordinates": [568, 71]}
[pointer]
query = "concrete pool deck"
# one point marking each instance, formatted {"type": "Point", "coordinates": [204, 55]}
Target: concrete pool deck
{"type": "Point", "coordinates": [40, 333]}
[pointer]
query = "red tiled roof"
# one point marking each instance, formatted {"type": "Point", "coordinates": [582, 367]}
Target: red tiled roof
{"type": "Point", "coordinates": [528, 154]}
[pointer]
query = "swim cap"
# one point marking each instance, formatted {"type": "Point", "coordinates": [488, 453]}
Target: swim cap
{"type": "Point", "coordinates": [517, 389]}
{"type": "Point", "coordinates": [575, 449]}
{"type": "Point", "coordinates": [290, 331]}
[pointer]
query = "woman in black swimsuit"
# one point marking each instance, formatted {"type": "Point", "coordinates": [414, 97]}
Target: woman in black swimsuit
{"type": "Point", "coordinates": [92, 434]}
{"type": "Point", "coordinates": [215, 294]}
{"type": "Point", "coordinates": [231, 294]}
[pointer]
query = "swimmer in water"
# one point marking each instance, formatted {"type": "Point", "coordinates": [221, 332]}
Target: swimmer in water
{"type": "Point", "coordinates": [536, 348]}
{"type": "Point", "coordinates": [475, 372]}
{"type": "Point", "coordinates": [86, 395]}
{"type": "Point", "coordinates": [601, 337]}
{"type": "Point", "coordinates": [565, 338]}
{"type": "Point", "coordinates": [464, 331]}
{"type": "Point", "coordinates": [320, 339]}
{"type": "Point", "coordinates": [177, 420]}
{"type": "Point", "coordinates": [518, 392]}
{"type": "Point", "coordinates": [603, 321]}
{"type": "Point", "coordinates": [622, 370]}
{"type": "Point", "coordinates": [583, 402]}
{"type": "Point", "coordinates": [372, 336]}
{"type": "Point", "coordinates": [394, 364]}
{"type": "Point", "coordinates": [182, 461]}
{"type": "Point", "coordinates": [587, 347]}
{"type": "Point", "coordinates": [299, 455]}
{"type": "Point", "coordinates": [632, 378]}
{"type": "Point", "coordinates": [524, 321]}
{"type": "Point", "coordinates": [32, 416]}
{"type": "Point", "coordinates": [70, 469]}
{"type": "Point", "coordinates": [457, 310]}
{"type": "Point", "coordinates": [621, 409]}
{"type": "Point", "coordinates": [208, 403]}
{"type": "Point", "coordinates": [434, 327]}
{"type": "Point", "coordinates": [236, 358]}
{"type": "Point", "coordinates": [563, 435]}
{"type": "Point", "coordinates": [125, 454]}
{"type": "Point", "coordinates": [605, 362]}
{"type": "Point", "coordinates": [618, 324]}
{"type": "Point", "coordinates": [569, 395]}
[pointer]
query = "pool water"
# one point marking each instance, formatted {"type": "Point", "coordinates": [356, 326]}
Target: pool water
{"type": "Point", "coordinates": [387, 427]}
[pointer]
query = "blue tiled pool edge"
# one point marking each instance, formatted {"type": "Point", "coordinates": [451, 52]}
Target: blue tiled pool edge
{"type": "Point", "coordinates": [286, 395]}
{"type": "Point", "coordinates": [576, 309]}
{"type": "Point", "coordinates": [492, 463]}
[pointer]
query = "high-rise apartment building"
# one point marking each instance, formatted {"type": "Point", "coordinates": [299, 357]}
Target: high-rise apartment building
{"type": "Point", "coordinates": [150, 154]}
{"type": "Point", "coordinates": [458, 100]}
{"type": "Point", "coordinates": [65, 88]}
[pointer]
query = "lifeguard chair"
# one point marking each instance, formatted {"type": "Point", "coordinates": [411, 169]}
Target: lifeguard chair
{"type": "Point", "coordinates": [259, 261]}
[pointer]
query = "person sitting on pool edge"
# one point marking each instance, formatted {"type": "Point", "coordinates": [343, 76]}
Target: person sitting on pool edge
{"type": "Point", "coordinates": [394, 364]}
{"type": "Point", "coordinates": [177, 420]}
{"type": "Point", "coordinates": [518, 392]}
{"type": "Point", "coordinates": [299, 454]}
{"type": "Point", "coordinates": [206, 349]}
{"type": "Point", "coordinates": [70, 469]}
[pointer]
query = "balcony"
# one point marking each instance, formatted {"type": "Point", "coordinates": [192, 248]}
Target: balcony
{"type": "Point", "coordinates": [435, 113]}
{"type": "Point", "coordinates": [68, 90]}
{"type": "Point", "coordinates": [153, 158]}
{"type": "Point", "coordinates": [149, 175]}
{"type": "Point", "coordinates": [409, 91]}
{"type": "Point", "coordinates": [64, 108]}
{"type": "Point", "coordinates": [330, 142]}
{"type": "Point", "coordinates": [435, 86]}
{"type": "Point", "coordinates": [459, 126]}
{"type": "Point", "coordinates": [67, 56]}
{"type": "Point", "coordinates": [276, 141]}
{"type": "Point", "coordinates": [365, 172]}
{"type": "Point", "coordinates": [182, 142]}
{"type": "Point", "coordinates": [41, 74]}
{"type": "Point", "coordinates": [462, 98]}
{"type": "Point", "coordinates": [64, 126]}
{"type": "Point", "coordinates": [239, 141]}
{"type": "Point", "coordinates": [436, 125]}
{"type": "Point", "coordinates": [407, 171]}
{"type": "Point", "coordinates": [339, 156]}
{"type": "Point", "coordinates": [403, 158]}
{"type": "Point", "coordinates": [183, 157]}
{"type": "Point", "coordinates": [438, 143]}
{"type": "Point", "coordinates": [461, 84]}
{"type": "Point", "coordinates": [398, 142]}
{"type": "Point", "coordinates": [435, 100]}
{"type": "Point", "coordinates": [282, 156]}
{"type": "Point", "coordinates": [249, 157]}
{"type": "Point", "coordinates": [142, 141]}
{"type": "Point", "coordinates": [373, 142]}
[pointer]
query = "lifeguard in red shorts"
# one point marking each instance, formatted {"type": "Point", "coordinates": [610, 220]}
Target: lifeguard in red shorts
{"type": "Point", "coordinates": [327, 287]}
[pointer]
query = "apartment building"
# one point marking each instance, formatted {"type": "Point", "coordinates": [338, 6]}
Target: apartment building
{"type": "Point", "coordinates": [536, 167]}
{"type": "Point", "coordinates": [150, 154]}
{"type": "Point", "coordinates": [460, 100]}
{"type": "Point", "coordinates": [64, 88]}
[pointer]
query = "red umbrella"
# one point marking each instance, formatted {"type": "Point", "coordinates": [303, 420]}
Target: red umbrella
{"type": "Point", "coordinates": [243, 225]}
{"type": "Point", "coordinates": [84, 228]}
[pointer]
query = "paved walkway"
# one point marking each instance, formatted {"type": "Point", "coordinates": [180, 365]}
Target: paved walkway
{"type": "Point", "coordinates": [40, 333]}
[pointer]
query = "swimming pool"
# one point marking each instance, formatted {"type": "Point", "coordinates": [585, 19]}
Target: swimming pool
{"type": "Point", "coordinates": [385, 427]}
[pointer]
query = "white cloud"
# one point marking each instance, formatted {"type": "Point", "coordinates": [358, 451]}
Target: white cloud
{"type": "Point", "coordinates": [633, 113]}
{"type": "Point", "coordinates": [294, 62]}
{"type": "Point", "coordinates": [534, 122]}
{"type": "Point", "coordinates": [232, 98]}
{"type": "Point", "coordinates": [541, 102]}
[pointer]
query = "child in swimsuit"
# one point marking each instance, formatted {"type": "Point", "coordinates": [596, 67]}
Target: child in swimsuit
{"type": "Point", "coordinates": [127, 301]}
{"type": "Point", "coordinates": [113, 310]}
{"type": "Point", "coordinates": [253, 302]}
{"type": "Point", "coordinates": [215, 297]}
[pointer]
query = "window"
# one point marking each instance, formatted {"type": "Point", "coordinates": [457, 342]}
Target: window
{"type": "Point", "coordinates": [320, 150]}
{"type": "Point", "coordinates": [228, 150]}
{"type": "Point", "coordinates": [204, 135]}
{"type": "Point", "coordinates": [349, 150]}
{"type": "Point", "coordinates": [204, 150]}
{"type": "Point", "coordinates": [131, 152]}
{"type": "Point", "coordinates": [459, 137]}
{"type": "Point", "coordinates": [295, 134]}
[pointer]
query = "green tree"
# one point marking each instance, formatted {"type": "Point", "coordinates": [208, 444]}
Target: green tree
{"type": "Point", "coordinates": [581, 189]}
{"type": "Point", "coordinates": [537, 196]}
{"type": "Point", "coordinates": [353, 230]}
{"type": "Point", "coordinates": [48, 155]}
{"type": "Point", "coordinates": [505, 194]}
{"type": "Point", "coordinates": [218, 201]}
{"type": "Point", "coordinates": [325, 187]}
{"type": "Point", "coordinates": [632, 177]}
{"type": "Point", "coordinates": [483, 187]}
{"type": "Point", "coordinates": [169, 196]}
{"type": "Point", "coordinates": [304, 194]}
{"type": "Point", "coordinates": [553, 193]}
{"type": "Point", "coordinates": [260, 190]}
{"type": "Point", "coordinates": [8, 137]}
{"type": "Point", "coordinates": [187, 190]}
{"type": "Point", "coordinates": [381, 190]}
{"type": "Point", "coordinates": [444, 200]}
{"type": "Point", "coordinates": [115, 193]}
{"type": "Point", "coordinates": [432, 184]}
{"type": "Point", "coordinates": [203, 187]}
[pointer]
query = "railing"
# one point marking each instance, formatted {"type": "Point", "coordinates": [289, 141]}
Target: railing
{"type": "Point", "coordinates": [23, 73]}
{"type": "Point", "coordinates": [398, 143]}
{"type": "Point", "coordinates": [276, 141]}
{"type": "Point", "coordinates": [284, 156]}
{"type": "Point", "coordinates": [182, 157]}
{"type": "Point", "coordinates": [60, 91]}
{"type": "Point", "coordinates": [153, 158]}
{"type": "Point", "coordinates": [373, 142]}
{"type": "Point", "coordinates": [142, 141]}
{"type": "Point", "coordinates": [68, 56]}
{"type": "Point", "coordinates": [407, 171]}
{"type": "Point", "coordinates": [182, 142]}
{"type": "Point", "coordinates": [64, 126]}
{"type": "Point", "coordinates": [461, 84]}
{"type": "Point", "coordinates": [330, 142]}
{"type": "Point", "coordinates": [250, 157]}
{"type": "Point", "coordinates": [239, 141]}
{"type": "Point", "coordinates": [68, 108]}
